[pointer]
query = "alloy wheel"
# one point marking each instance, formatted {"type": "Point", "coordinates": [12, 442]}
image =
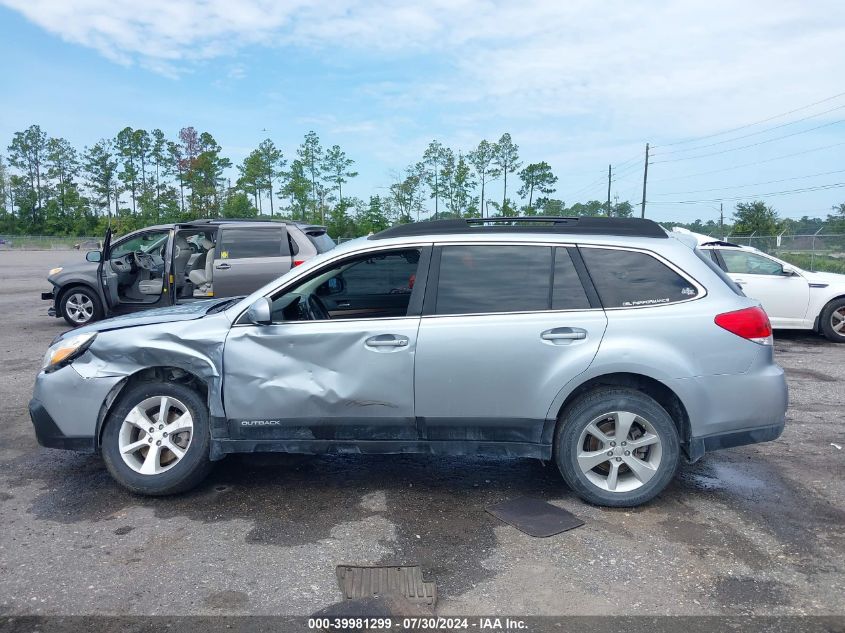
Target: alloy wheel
{"type": "Point", "coordinates": [837, 321]}
{"type": "Point", "coordinates": [619, 451]}
{"type": "Point", "coordinates": [155, 435]}
{"type": "Point", "coordinates": [79, 307]}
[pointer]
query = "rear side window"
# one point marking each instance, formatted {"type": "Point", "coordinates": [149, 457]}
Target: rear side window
{"type": "Point", "coordinates": [479, 279]}
{"type": "Point", "coordinates": [321, 241]}
{"type": "Point", "coordinates": [630, 279]}
{"type": "Point", "coordinates": [568, 293]}
{"type": "Point", "coordinates": [247, 242]}
{"type": "Point", "coordinates": [711, 260]}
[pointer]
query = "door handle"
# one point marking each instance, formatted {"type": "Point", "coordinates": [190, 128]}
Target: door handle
{"type": "Point", "coordinates": [564, 334]}
{"type": "Point", "coordinates": [223, 266]}
{"type": "Point", "coordinates": [343, 304]}
{"type": "Point", "coordinates": [386, 340]}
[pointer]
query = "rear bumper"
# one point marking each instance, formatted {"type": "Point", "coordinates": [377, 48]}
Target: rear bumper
{"type": "Point", "coordinates": [734, 409]}
{"type": "Point", "coordinates": [698, 446]}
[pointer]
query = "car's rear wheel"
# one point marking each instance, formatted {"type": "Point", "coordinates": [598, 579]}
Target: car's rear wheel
{"type": "Point", "coordinates": [616, 447]}
{"type": "Point", "coordinates": [832, 321]}
{"type": "Point", "coordinates": [80, 305]}
{"type": "Point", "coordinates": [156, 440]}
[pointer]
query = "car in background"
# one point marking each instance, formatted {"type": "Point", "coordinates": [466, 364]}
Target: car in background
{"type": "Point", "coordinates": [603, 344]}
{"type": "Point", "coordinates": [176, 263]}
{"type": "Point", "coordinates": [792, 297]}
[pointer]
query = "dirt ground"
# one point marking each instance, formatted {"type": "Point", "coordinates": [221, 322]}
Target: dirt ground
{"type": "Point", "coordinates": [751, 530]}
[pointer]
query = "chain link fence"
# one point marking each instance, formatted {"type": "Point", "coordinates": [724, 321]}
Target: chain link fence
{"type": "Point", "coordinates": [48, 243]}
{"type": "Point", "coordinates": [816, 252]}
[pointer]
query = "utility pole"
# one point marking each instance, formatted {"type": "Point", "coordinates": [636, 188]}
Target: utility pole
{"type": "Point", "coordinates": [722, 218]}
{"type": "Point", "coordinates": [608, 190]}
{"type": "Point", "coordinates": [645, 181]}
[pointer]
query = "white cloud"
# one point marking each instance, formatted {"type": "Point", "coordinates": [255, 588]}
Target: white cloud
{"type": "Point", "coordinates": [656, 66]}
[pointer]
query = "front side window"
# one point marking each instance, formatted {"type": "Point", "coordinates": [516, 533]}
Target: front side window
{"type": "Point", "coordinates": [490, 278]}
{"type": "Point", "coordinates": [376, 285]}
{"type": "Point", "coordinates": [749, 263]}
{"type": "Point", "coordinates": [248, 242]}
{"type": "Point", "coordinates": [145, 242]}
{"type": "Point", "coordinates": [631, 279]}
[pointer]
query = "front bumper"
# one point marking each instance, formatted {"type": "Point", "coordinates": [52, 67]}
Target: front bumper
{"type": "Point", "coordinates": [66, 408]}
{"type": "Point", "coordinates": [50, 296]}
{"type": "Point", "coordinates": [49, 435]}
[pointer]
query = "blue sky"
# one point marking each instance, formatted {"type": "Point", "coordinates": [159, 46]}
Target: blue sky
{"type": "Point", "coordinates": [577, 84]}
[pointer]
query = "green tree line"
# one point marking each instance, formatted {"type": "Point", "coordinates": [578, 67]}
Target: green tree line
{"type": "Point", "coordinates": [140, 177]}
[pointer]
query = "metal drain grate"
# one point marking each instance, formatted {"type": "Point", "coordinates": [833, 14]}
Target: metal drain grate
{"type": "Point", "coordinates": [358, 582]}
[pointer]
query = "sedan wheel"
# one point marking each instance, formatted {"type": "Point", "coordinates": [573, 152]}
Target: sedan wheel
{"type": "Point", "coordinates": [832, 321]}
{"type": "Point", "coordinates": [837, 321]}
{"type": "Point", "coordinates": [155, 435]}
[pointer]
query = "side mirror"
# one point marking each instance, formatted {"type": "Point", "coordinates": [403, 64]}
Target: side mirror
{"type": "Point", "coordinates": [259, 312]}
{"type": "Point", "coordinates": [94, 256]}
{"type": "Point", "coordinates": [789, 271]}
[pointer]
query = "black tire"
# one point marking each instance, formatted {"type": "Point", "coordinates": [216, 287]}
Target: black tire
{"type": "Point", "coordinates": [72, 294]}
{"type": "Point", "coordinates": [601, 402]}
{"type": "Point", "coordinates": [837, 305]}
{"type": "Point", "coordinates": [188, 472]}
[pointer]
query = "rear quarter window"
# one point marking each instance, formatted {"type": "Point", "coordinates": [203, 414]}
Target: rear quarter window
{"type": "Point", "coordinates": [321, 241]}
{"type": "Point", "coordinates": [248, 242]}
{"type": "Point", "coordinates": [633, 279]}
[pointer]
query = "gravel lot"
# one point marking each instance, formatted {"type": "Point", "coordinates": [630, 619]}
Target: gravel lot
{"type": "Point", "coordinates": [752, 530]}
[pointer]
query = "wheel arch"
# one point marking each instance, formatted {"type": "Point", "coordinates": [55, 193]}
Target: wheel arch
{"type": "Point", "coordinates": [160, 373]}
{"type": "Point", "coordinates": [76, 283]}
{"type": "Point", "coordinates": [663, 395]}
{"type": "Point", "coordinates": [817, 325]}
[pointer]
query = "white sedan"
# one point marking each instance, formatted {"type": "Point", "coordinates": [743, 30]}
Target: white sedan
{"type": "Point", "coordinates": [792, 297]}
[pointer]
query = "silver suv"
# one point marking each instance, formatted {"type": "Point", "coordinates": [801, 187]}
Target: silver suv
{"type": "Point", "coordinates": [604, 344]}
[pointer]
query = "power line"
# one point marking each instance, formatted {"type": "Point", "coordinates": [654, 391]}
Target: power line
{"type": "Point", "coordinates": [836, 185]}
{"type": "Point", "coordinates": [736, 149]}
{"type": "Point", "coordinates": [593, 184]}
{"type": "Point", "coordinates": [756, 184]}
{"type": "Point", "coordinates": [748, 125]}
{"type": "Point", "coordinates": [758, 132]}
{"type": "Point", "coordinates": [751, 164]}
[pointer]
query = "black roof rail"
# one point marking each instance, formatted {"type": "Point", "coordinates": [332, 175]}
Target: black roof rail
{"type": "Point", "coordinates": [209, 221]}
{"type": "Point", "coordinates": [584, 225]}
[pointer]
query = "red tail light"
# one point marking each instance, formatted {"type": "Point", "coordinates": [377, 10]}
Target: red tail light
{"type": "Point", "coordinates": [297, 262]}
{"type": "Point", "coordinates": [750, 323]}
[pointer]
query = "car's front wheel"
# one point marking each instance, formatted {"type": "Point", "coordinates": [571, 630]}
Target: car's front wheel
{"type": "Point", "coordinates": [80, 305]}
{"type": "Point", "coordinates": [832, 321]}
{"type": "Point", "coordinates": [616, 447]}
{"type": "Point", "coordinates": [156, 440]}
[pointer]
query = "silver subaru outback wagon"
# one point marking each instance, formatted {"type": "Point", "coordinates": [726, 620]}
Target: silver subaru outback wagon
{"type": "Point", "coordinates": [604, 344]}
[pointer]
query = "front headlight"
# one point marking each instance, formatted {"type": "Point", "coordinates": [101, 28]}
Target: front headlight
{"type": "Point", "coordinates": [55, 271]}
{"type": "Point", "coordinates": [62, 353]}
